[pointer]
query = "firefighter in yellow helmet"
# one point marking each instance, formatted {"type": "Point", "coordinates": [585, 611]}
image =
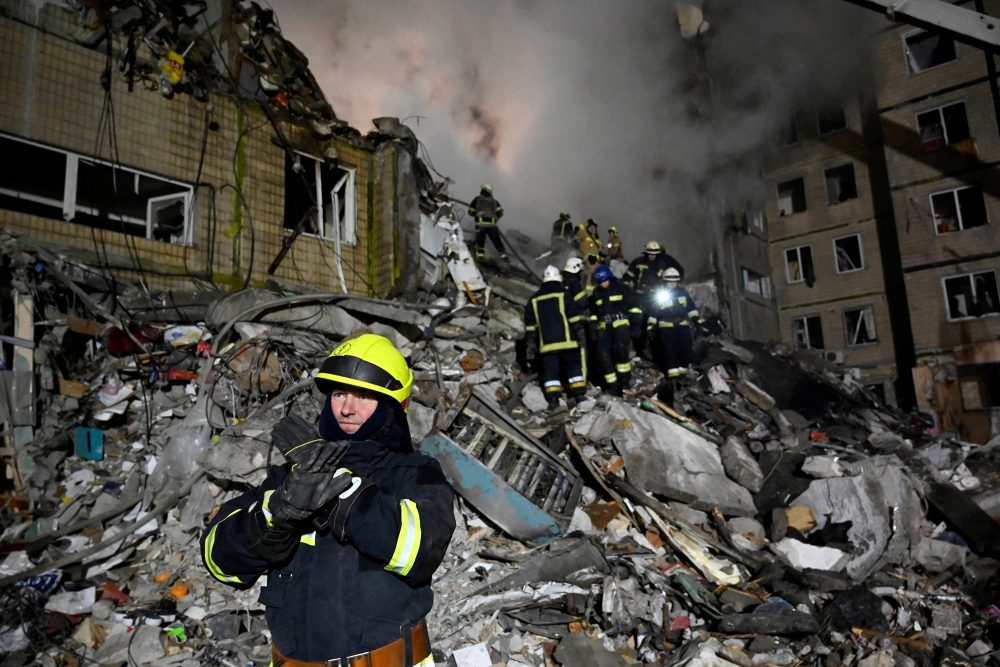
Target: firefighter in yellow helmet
{"type": "Point", "coordinates": [350, 529]}
{"type": "Point", "coordinates": [487, 211]}
{"type": "Point", "coordinates": [613, 248]}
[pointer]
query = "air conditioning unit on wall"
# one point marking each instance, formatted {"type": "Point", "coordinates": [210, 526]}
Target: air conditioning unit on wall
{"type": "Point", "coordinates": [834, 356]}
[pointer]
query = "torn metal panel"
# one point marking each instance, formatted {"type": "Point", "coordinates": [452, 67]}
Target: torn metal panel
{"type": "Point", "coordinates": [504, 472]}
{"type": "Point", "coordinates": [441, 240]}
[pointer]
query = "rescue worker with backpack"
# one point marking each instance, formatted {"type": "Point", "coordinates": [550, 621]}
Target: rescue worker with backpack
{"type": "Point", "coordinates": [609, 310]}
{"type": "Point", "coordinates": [487, 211]}
{"type": "Point", "coordinates": [349, 530]}
{"type": "Point", "coordinates": [670, 324]}
{"type": "Point", "coordinates": [641, 277]}
{"type": "Point", "coordinates": [551, 325]}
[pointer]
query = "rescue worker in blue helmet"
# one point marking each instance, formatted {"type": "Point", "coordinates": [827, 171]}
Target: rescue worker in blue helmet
{"type": "Point", "coordinates": [349, 530]}
{"type": "Point", "coordinates": [609, 312]}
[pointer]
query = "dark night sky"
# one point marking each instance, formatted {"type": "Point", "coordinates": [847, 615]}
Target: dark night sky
{"type": "Point", "coordinates": [601, 108]}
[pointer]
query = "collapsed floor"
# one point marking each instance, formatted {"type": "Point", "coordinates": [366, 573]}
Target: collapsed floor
{"type": "Point", "coordinates": [774, 515]}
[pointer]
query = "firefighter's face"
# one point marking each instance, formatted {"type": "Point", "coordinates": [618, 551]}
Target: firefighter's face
{"type": "Point", "coordinates": [351, 409]}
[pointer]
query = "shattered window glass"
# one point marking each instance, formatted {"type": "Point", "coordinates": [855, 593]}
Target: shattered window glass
{"type": "Point", "coordinates": [808, 332]}
{"type": "Point", "coordinates": [791, 196]}
{"type": "Point", "coordinates": [980, 386]}
{"type": "Point", "coordinates": [944, 126]}
{"type": "Point", "coordinates": [799, 265]}
{"type": "Point", "coordinates": [840, 184]}
{"type": "Point", "coordinates": [320, 198]}
{"type": "Point", "coordinates": [57, 184]}
{"type": "Point", "coordinates": [925, 50]}
{"type": "Point", "coordinates": [847, 251]}
{"type": "Point", "coordinates": [959, 209]}
{"type": "Point", "coordinates": [972, 295]}
{"type": "Point", "coordinates": [859, 325]}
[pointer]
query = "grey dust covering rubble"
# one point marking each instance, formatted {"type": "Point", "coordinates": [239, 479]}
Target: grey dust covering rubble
{"type": "Point", "coordinates": [776, 514]}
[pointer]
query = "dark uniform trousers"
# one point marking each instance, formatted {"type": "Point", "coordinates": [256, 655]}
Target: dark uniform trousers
{"type": "Point", "coordinates": [488, 229]}
{"type": "Point", "coordinates": [568, 361]}
{"type": "Point", "coordinates": [614, 352]}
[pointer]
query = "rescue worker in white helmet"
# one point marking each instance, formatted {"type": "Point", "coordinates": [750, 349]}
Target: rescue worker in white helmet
{"type": "Point", "coordinates": [573, 275]}
{"type": "Point", "coordinates": [609, 310]}
{"type": "Point", "coordinates": [550, 317]}
{"type": "Point", "coordinates": [642, 277]}
{"type": "Point", "coordinates": [487, 211]}
{"type": "Point", "coordinates": [350, 529]}
{"type": "Point", "coordinates": [670, 326]}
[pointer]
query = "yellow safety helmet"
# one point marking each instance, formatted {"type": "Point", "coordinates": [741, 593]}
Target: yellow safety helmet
{"type": "Point", "coordinates": [613, 229]}
{"type": "Point", "coordinates": [653, 248]}
{"type": "Point", "coordinates": [369, 362]}
{"type": "Point", "coordinates": [486, 187]}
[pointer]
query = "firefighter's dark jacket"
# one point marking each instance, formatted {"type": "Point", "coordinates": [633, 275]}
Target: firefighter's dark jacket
{"type": "Point", "coordinates": [549, 314]}
{"type": "Point", "coordinates": [641, 275]}
{"type": "Point", "coordinates": [675, 307]}
{"type": "Point", "coordinates": [485, 209]}
{"type": "Point", "coordinates": [333, 599]}
{"type": "Point", "coordinates": [610, 303]}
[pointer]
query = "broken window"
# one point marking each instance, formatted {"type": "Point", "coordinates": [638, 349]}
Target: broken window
{"type": "Point", "coordinates": [943, 126]}
{"type": "Point", "coordinates": [831, 120]}
{"type": "Point", "coordinates": [756, 283]}
{"type": "Point", "coordinates": [848, 254]}
{"type": "Point", "coordinates": [840, 184]}
{"type": "Point", "coordinates": [972, 295]}
{"type": "Point", "coordinates": [807, 332]}
{"type": "Point", "coordinates": [925, 50]}
{"type": "Point", "coordinates": [321, 197]}
{"type": "Point", "coordinates": [958, 209]}
{"type": "Point", "coordinates": [799, 265]}
{"type": "Point", "coordinates": [757, 221]}
{"type": "Point", "coordinates": [791, 196]}
{"type": "Point", "coordinates": [60, 185]}
{"type": "Point", "coordinates": [980, 386]}
{"type": "Point", "coordinates": [859, 326]}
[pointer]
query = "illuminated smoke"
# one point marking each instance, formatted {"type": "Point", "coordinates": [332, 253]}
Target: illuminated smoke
{"type": "Point", "coordinates": [597, 107]}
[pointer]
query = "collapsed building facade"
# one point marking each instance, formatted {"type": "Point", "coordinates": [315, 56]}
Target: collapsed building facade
{"type": "Point", "coordinates": [698, 534]}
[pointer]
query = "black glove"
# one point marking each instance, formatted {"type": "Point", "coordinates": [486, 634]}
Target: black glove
{"type": "Point", "coordinates": [334, 516]}
{"type": "Point", "coordinates": [310, 485]}
{"type": "Point", "coordinates": [580, 333]}
{"type": "Point", "coordinates": [295, 437]}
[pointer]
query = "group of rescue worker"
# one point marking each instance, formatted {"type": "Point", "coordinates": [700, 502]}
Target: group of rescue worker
{"type": "Point", "coordinates": [584, 314]}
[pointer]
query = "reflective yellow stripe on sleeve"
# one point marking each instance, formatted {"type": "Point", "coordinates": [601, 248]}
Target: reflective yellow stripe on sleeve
{"type": "Point", "coordinates": [213, 568]}
{"type": "Point", "coordinates": [408, 542]}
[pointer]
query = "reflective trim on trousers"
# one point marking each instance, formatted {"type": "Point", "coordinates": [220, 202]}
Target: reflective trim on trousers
{"type": "Point", "coordinates": [676, 372]}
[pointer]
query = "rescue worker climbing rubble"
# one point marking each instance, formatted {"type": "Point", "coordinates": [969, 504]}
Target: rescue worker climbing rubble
{"type": "Point", "coordinates": [487, 211]}
{"type": "Point", "coordinates": [550, 318]}
{"type": "Point", "coordinates": [670, 323]}
{"type": "Point", "coordinates": [563, 234]}
{"type": "Point", "coordinates": [350, 530]}
{"type": "Point", "coordinates": [609, 310]}
{"type": "Point", "coordinates": [642, 277]}
{"type": "Point", "coordinates": [589, 246]}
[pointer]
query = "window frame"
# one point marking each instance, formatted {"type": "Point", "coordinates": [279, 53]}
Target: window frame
{"type": "Point", "coordinates": [766, 288]}
{"type": "Point", "coordinates": [819, 123]}
{"type": "Point", "coordinates": [906, 51]}
{"type": "Point", "coordinates": [848, 338]}
{"type": "Point", "coordinates": [798, 248]}
{"type": "Point", "coordinates": [70, 205]}
{"type": "Point", "coordinates": [958, 209]}
{"type": "Point", "coordinates": [939, 109]}
{"type": "Point", "coordinates": [805, 201]}
{"type": "Point", "coordinates": [861, 251]}
{"type": "Point", "coordinates": [971, 277]}
{"type": "Point", "coordinates": [804, 319]}
{"type": "Point", "coordinates": [345, 231]}
{"type": "Point", "coordinates": [854, 179]}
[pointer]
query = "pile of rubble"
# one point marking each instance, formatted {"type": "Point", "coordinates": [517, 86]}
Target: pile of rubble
{"type": "Point", "coordinates": [774, 515]}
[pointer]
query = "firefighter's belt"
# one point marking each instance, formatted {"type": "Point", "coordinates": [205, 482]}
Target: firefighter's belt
{"type": "Point", "coordinates": [392, 654]}
{"type": "Point", "coordinates": [486, 221]}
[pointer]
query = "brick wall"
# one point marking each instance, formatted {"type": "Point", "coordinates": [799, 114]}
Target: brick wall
{"type": "Point", "coordinates": [53, 96]}
{"type": "Point", "coordinates": [932, 331]}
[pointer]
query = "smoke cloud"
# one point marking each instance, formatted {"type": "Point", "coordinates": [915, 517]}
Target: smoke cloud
{"type": "Point", "coordinates": [599, 108]}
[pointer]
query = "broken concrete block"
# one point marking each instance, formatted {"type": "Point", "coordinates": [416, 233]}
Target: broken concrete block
{"type": "Point", "coordinates": [747, 533]}
{"type": "Point", "coordinates": [471, 656]}
{"type": "Point", "coordinates": [755, 394]}
{"type": "Point", "coordinates": [938, 555]}
{"type": "Point", "coordinates": [807, 556]}
{"type": "Point", "coordinates": [740, 464]}
{"type": "Point", "coordinates": [823, 467]}
{"type": "Point", "coordinates": [663, 457]}
{"type": "Point", "coordinates": [421, 420]}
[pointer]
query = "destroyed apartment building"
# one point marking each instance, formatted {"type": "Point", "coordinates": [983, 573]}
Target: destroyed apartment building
{"type": "Point", "coordinates": [775, 514]}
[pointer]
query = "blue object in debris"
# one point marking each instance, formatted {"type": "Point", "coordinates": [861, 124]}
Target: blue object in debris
{"type": "Point", "coordinates": [89, 443]}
